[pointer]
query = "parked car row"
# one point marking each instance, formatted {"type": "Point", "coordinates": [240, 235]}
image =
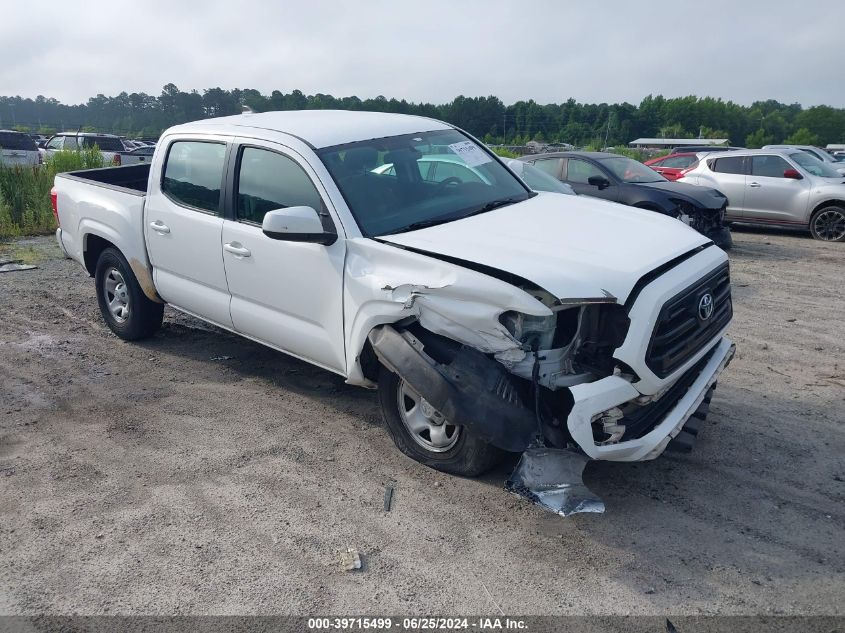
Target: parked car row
{"type": "Point", "coordinates": [624, 180]}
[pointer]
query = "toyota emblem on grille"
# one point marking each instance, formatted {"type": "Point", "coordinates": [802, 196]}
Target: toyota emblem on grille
{"type": "Point", "coordinates": [705, 306]}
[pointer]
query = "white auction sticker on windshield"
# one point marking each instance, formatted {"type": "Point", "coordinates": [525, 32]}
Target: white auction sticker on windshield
{"type": "Point", "coordinates": [471, 153]}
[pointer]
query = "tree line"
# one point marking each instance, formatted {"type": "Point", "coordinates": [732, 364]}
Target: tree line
{"type": "Point", "coordinates": [581, 124]}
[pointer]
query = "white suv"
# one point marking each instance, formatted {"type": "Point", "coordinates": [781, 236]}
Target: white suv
{"type": "Point", "coordinates": [777, 187]}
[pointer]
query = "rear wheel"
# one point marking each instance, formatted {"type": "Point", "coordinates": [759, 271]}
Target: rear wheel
{"type": "Point", "coordinates": [425, 435]}
{"type": "Point", "coordinates": [124, 306]}
{"type": "Point", "coordinates": [828, 224]}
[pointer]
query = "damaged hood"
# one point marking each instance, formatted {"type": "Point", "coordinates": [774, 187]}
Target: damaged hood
{"type": "Point", "coordinates": [574, 247]}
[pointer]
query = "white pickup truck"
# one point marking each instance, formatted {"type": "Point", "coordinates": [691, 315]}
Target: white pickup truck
{"type": "Point", "coordinates": [400, 253]}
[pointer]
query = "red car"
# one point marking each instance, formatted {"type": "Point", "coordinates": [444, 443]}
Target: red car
{"type": "Point", "coordinates": [671, 166]}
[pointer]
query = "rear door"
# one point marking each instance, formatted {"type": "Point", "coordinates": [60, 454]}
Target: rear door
{"type": "Point", "coordinates": [729, 176]}
{"type": "Point", "coordinates": [288, 295]}
{"type": "Point", "coordinates": [183, 224]}
{"type": "Point", "coordinates": [772, 197]}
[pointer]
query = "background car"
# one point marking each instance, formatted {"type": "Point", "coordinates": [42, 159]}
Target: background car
{"type": "Point", "coordinates": [817, 153]}
{"type": "Point", "coordinates": [109, 144]}
{"type": "Point", "coordinates": [143, 154]}
{"type": "Point", "coordinates": [671, 166]}
{"type": "Point", "coordinates": [538, 180]}
{"type": "Point", "coordinates": [18, 148]}
{"type": "Point", "coordinates": [621, 179]}
{"type": "Point", "coordinates": [702, 148]}
{"type": "Point", "coordinates": [777, 187]}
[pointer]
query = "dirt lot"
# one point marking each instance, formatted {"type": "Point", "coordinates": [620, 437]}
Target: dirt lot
{"type": "Point", "coordinates": [200, 473]}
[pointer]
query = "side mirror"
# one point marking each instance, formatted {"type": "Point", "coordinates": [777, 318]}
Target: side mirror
{"type": "Point", "coordinates": [599, 181]}
{"type": "Point", "coordinates": [296, 224]}
{"type": "Point", "coordinates": [792, 173]}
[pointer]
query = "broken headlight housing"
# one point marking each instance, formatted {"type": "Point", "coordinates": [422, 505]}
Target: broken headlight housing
{"type": "Point", "coordinates": [533, 332]}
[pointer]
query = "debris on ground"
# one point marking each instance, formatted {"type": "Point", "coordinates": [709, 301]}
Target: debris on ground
{"type": "Point", "coordinates": [350, 559]}
{"type": "Point", "coordinates": [11, 266]}
{"type": "Point", "coordinates": [388, 495]}
{"type": "Point", "coordinates": [221, 358]}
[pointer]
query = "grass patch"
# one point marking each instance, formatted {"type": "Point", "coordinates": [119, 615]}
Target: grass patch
{"type": "Point", "coordinates": [25, 207]}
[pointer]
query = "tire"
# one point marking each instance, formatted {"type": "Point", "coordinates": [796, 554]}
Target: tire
{"type": "Point", "coordinates": [124, 306]}
{"type": "Point", "coordinates": [828, 224]}
{"type": "Point", "coordinates": [460, 453]}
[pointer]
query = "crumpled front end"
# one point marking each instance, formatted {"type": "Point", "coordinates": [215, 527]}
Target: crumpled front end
{"type": "Point", "coordinates": [562, 381]}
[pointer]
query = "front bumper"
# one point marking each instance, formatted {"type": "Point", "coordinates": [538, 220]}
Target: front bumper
{"type": "Point", "coordinates": [594, 399]}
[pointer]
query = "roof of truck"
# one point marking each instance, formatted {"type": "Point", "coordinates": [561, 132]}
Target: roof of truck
{"type": "Point", "coordinates": [320, 128]}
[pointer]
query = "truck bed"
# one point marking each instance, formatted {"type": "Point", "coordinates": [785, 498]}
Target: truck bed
{"type": "Point", "coordinates": [129, 179]}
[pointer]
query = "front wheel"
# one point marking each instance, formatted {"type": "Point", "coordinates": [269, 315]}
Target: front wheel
{"type": "Point", "coordinates": [423, 434]}
{"type": "Point", "coordinates": [124, 306]}
{"type": "Point", "coordinates": [828, 224]}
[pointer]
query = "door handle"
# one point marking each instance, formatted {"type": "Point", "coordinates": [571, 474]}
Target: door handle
{"type": "Point", "coordinates": [755, 184]}
{"type": "Point", "coordinates": [236, 249]}
{"type": "Point", "coordinates": [159, 227]}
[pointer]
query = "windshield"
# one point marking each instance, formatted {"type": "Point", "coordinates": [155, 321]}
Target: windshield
{"type": "Point", "coordinates": [814, 165]}
{"type": "Point", "coordinates": [16, 140]}
{"type": "Point", "coordinates": [629, 170]}
{"type": "Point", "coordinates": [401, 183]}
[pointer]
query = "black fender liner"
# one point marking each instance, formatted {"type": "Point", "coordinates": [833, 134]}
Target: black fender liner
{"type": "Point", "coordinates": [473, 390]}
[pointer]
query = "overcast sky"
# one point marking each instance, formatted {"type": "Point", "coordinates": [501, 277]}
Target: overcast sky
{"type": "Point", "coordinates": [593, 51]}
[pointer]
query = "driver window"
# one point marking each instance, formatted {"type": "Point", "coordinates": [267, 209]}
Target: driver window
{"type": "Point", "coordinates": [269, 181]}
{"type": "Point", "coordinates": [55, 143]}
{"type": "Point", "coordinates": [768, 166]}
{"type": "Point", "coordinates": [580, 171]}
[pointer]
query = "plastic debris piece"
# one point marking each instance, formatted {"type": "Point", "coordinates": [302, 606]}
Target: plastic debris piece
{"type": "Point", "coordinates": [221, 358]}
{"type": "Point", "coordinates": [552, 479]}
{"type": "Point", "coordinates": [11, 267]}
{"type": "Point", "coordinates": [350, 560]}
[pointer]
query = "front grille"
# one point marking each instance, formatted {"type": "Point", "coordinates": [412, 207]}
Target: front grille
{"type": "Point", "coordinates": [680, 331]}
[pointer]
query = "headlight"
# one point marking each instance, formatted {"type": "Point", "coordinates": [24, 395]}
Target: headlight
{"type": "Point", "coordinates": [534, 332]}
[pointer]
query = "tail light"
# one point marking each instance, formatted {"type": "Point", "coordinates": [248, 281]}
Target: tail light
{"type": "Point", "coordinates": [684, 172]}
{"type": "Point", "coordinates": [54, 200]}
{"type": "Point", "coordinates": [116, 160]}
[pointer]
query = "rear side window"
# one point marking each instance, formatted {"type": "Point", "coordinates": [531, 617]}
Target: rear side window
{"type": "Point", "coordinates": [269, 181]}
{"type": "Point", "coordinates": [14, 140]}
{"type": "Point", "coordinates": [677, 162]}
{"type": "Point", "coordinates": [105, 143]}
{"type": "Point", "coordinates": [193, 173]}
{"type": "Point", "coordinates": [728, 165]}
{"type": "Point", "coordinates": [768, 166]}
{"type": "Point", "coordinates": [549, 165]}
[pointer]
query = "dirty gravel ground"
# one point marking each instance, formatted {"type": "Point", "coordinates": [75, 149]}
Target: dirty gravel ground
{"type": "Point", "coordinates": [201, 473]}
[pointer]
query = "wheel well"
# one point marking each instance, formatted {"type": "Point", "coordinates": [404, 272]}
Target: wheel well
{"type": "Point", "coordinates": [829, 203]}
{"type": "Point", "coordinates": [94, 246]}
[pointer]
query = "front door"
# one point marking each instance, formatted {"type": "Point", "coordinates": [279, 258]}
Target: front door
{"type": "Point", "coordinates": [286, 294]}
{"type": "Point", "coordinates": [772, 197]}
{"type": "Point", "coordinates": [184, 225]}
{"type": "Point", "coordinates": [578, 173]}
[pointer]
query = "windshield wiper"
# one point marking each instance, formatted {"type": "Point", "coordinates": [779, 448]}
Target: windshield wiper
{"type": "Point", "coordinates": [495, 204]}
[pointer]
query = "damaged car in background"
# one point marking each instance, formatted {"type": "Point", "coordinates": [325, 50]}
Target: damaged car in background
{"type": "Point", "coordinates": [627, 181]}
{"type": "Point", "coordinates": [491, 318]}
